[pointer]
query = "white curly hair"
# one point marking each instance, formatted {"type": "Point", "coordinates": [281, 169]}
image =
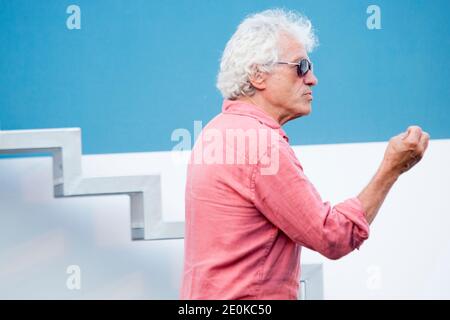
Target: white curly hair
{"type": "Point", "coordinates": [255, 47]}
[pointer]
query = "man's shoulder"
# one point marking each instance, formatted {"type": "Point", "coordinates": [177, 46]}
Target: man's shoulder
{"type": "Point", "coordinates": [224, 121]}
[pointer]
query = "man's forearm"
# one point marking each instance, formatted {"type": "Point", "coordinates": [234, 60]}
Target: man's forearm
{"type": "Point", "coordinates": [375, 192]}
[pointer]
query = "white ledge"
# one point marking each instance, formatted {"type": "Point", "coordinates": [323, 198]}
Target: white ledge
{"type": "Point", "coordinates": [65, 146]}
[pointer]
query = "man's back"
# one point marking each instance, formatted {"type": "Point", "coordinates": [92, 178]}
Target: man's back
{"type": "Point", "coordinates": [232, 250]}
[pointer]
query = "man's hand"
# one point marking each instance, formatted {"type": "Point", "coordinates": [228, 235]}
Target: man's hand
{"type": "Point", "coordinates": [405, 150]}
{"type": "Point", "coordinates": [402, 153]}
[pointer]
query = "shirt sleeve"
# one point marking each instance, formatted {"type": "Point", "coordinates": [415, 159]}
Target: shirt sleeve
{"type": "Point", "coordinates": [289, 200]}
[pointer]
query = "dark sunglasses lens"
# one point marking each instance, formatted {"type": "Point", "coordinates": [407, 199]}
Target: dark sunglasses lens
{"type": "Point", "coordinates": [304, 67]}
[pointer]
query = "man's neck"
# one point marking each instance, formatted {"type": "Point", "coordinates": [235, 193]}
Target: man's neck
{"type": "Point", "coordinates": [266, 107]}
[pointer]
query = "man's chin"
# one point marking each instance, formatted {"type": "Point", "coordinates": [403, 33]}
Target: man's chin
{"type": "Point", "coordinates": [303, 113]}
{"type": "Point", "coordinates": [310, 110]}
{"type": "Point", "coordinates": [303, 110]}
{"type": "Point", "coordinates": [307, 109]}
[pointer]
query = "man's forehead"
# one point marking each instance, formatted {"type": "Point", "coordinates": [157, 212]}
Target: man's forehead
{"type": "Point", "coordinates": [292, 49]}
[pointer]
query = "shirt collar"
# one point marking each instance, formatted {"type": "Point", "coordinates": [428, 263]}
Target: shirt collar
{"type": "Point", "coordinates": [253, 111]}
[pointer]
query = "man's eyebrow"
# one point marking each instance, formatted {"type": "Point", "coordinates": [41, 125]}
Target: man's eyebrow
{"type": "Point", "coordinates": [298, 58]}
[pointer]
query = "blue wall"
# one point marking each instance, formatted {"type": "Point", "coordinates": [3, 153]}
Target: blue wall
{"type": "Point", "coordinates": [139, 69]}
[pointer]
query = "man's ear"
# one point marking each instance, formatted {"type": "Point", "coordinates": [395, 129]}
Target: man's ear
{"type": "Point", "coordinates": [258, 79]}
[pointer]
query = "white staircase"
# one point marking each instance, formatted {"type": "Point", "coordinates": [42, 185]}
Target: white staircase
{"type": "Point", "coordinates": [68, 181]}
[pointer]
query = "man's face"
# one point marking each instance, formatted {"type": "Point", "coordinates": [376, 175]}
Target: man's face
{"type": "Point", "coordinates": [289, 93]}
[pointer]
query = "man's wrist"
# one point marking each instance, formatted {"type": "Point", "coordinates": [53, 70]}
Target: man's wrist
{"type": "Point", "coordinates": [387, 174]}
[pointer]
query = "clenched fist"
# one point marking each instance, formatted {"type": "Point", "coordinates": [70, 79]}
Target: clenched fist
{"type": "Point", "coordinates": [405, 150]}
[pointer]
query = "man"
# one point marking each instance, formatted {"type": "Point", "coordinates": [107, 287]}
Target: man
{"type": "Point", "coordinates": [245, 227]}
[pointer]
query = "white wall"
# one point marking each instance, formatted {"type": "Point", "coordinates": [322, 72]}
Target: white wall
{"type": "Point", "coordinates": [406, 256]}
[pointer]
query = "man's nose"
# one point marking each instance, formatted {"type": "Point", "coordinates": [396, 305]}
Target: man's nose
{"type": "Point", "coordinates": [310, 78]}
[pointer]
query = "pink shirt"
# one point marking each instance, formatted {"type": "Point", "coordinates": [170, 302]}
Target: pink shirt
{"type": "Point", "coordinates": [245, 227]}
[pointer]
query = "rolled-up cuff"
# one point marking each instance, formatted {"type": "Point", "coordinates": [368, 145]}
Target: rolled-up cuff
{"type": "Point", "coordinates": [353, 210]}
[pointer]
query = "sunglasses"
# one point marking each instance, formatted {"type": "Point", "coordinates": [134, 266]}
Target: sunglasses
{"type": "Point", "coordinates": [302, 67]}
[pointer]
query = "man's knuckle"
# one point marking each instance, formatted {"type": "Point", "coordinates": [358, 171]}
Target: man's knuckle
{"type": "Point", "coordinates": [411, 144]}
